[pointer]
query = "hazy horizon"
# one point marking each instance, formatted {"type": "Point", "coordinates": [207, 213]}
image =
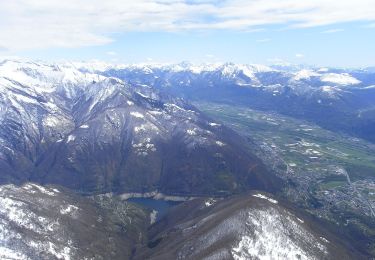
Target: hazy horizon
{"type": "Point", "coordinates": [147, 62]}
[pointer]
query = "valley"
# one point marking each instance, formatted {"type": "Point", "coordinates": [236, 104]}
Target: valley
{"type": "Point", "coordinates": [329, 174]}
{"type": "Point", "coordinates": [130, 148]}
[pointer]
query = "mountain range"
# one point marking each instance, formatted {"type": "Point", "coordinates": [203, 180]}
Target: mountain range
{"type": "Point", "coordinates": [99, 134]}
{"type": "Point", "coordinates": [337, 99]}
{"type": "Point", "coordinates": [77, 139]}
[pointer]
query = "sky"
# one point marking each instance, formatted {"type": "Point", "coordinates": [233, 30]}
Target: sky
{"type": "Point", "coordinates": [337, 33]}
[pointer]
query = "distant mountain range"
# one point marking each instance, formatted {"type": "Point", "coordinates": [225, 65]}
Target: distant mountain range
{"type": "Point", "coordinates": [338, 99]}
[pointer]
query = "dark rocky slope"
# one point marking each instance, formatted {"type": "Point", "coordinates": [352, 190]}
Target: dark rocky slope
{"type": "Point", "coordinates": [96, 135]}
{"type": "Point", "coordinates": [39, 222]}
{"type": "Point", "coordinates": [253, 226]}
{"type": "Point", "coordinates": [51, 222]}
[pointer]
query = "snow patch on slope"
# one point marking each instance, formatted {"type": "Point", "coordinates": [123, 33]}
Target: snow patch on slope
{"type": "Point", "coordinates": [137, 114]}
{"type": "Point", "coordinates": [71, 138]}
{"type": "Point", "coordinates": [275, 236]}
{"type": "Point", "coordinates": [261, 196]}
{"type": "Point", "coordinates": [305, 74]}
{"type": "Point", "coordinates": [343, 79]}
{"type": "Point", "coordinates": [7, 253]}
{"type": "Point", "coordinates": [68, 209]}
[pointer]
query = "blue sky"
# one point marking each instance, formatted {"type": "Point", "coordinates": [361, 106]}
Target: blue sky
{"type": "Point", "coordinates": [323, 33]}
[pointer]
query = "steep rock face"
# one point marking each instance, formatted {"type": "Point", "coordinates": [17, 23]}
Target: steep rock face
{"type": "Point", "coordinates": [35, 105]}
{"type": "Point", "coordinates": [39, 222]}
{"type": "Point", "coordinates": [252, 226]}
{"type": "Point", "coordinates": [96, 134]}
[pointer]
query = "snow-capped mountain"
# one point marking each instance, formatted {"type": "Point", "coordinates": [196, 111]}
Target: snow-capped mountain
{"type": "Point", "coordinates": [251, 74]}
{"type": "Point", "coordinates": [344, 96]}
{"type": "Point", "coordinates": [52, 222]}
{"type": "Point", "coordinates": [311, 83]}
{"type": "Point", "coordinates": [93, 133]}
{"type": "Point", "coordinates": [253, 226]}
{"type": "Point", "coordinates": [39, 222]}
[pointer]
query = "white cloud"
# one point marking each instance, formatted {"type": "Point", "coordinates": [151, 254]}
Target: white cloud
{"type": "Point", "coordinates": [30, 24]}
{"type": "Point", "coordinates": [299, 55]}
{"type": "Point", "coordinates": [3, 49]}
{"type": "Point", "coordinates": [111, 53]}
{"type": "Point", "coordinates": [333, 31]}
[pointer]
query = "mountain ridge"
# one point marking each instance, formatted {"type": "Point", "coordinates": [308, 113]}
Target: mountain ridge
{"type": "Point", "coordinates": [100, 134]}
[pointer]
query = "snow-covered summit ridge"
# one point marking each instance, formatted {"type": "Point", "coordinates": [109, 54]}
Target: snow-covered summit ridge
{"type": "Point", "coordinates": [73, 71]}
{"type": "Point", "coordinates": [339, 77]}
{"type": "Point", "coordinates": [40, 73]}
